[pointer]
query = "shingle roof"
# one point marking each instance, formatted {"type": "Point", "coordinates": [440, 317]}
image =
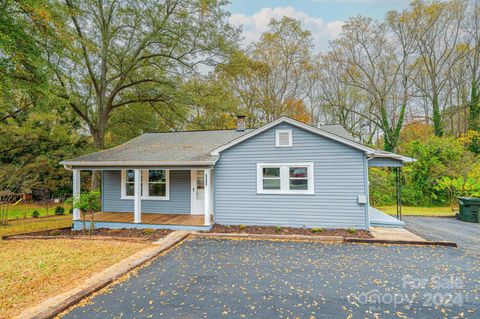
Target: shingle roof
{"type": "Point", "coordinates": [180, 148]}
{"type": "Point", "coordinates": [190, 146]}
{"type": "Point", "coordinates": [338, 130]}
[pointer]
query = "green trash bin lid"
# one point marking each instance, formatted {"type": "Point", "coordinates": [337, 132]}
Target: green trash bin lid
{"type": "Point", "coordinates": [470, 200]}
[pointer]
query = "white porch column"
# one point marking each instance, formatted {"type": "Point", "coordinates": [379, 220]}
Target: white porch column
{"type": "Point", "coordinates": [137, 202]}
{"type": "Point", "coordinates": [206, 201]}
{"type": "Point", "coordinates": [76, 192]}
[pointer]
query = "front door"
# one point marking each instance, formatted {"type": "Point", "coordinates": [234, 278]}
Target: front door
{"type": "Point", "coordinates": [198, 192]}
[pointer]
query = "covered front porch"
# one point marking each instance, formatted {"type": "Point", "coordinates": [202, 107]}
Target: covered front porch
{"type": "Point", "coordinates": [151, 197]}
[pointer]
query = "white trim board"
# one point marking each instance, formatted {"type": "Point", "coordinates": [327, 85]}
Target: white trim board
{"type": "Point", "coordinates": [69, 164]}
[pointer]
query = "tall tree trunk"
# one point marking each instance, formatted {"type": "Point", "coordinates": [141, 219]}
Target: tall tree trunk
{"type": "Point", "coordinates": [437, 116]}
{"type": "Point", "coordinates": [474, 116]}
{"type": "Point", "coordinates": [99, 143]}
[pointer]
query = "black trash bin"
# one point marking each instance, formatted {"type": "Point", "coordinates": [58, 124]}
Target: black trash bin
{"type": "Point", "coordinates": [469, 209]}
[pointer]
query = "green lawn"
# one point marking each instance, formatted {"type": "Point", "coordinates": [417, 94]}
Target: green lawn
{"type": "Point", "coordinates": [35, 224]}
{"type": "Point", "coordinates": [25, 210]}
{"type": "Point", "coordinates": [418, 211]}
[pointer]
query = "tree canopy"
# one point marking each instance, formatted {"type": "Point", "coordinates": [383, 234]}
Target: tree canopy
{"type": "Point", "coordinates": [78, 76]}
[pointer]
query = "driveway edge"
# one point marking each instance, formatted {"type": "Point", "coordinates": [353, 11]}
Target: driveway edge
{"type": "Point", "coordinates": [401, 242]}
{"type": "Point", "coordinates": [57, 304]}
{"type": "Point", "coordinates": [336, 239]}
{"type": "Point", "coordinates": [271, 237]}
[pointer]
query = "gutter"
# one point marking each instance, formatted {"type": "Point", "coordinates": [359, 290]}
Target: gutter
{"type": "Point", "coordinates": [68, 164]}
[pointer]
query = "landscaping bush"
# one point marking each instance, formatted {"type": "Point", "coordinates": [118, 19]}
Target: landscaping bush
{"type": "Point", "coordinates": [148, 231]}
{"type": "Point", "coordinates": [352, 231]}
{"type": "Point", "coordinates": [278, 229]}
{"type": "Point", "coordinates": [59, 210]}
{"type": "Point", "coordinates": [437, 157]}
{"type": "Point", "coordinates": [316, 230]}
{"type": "Point", "coordinates": [382, 186]}
{"type": "Point", "coordinates": [35, 214]}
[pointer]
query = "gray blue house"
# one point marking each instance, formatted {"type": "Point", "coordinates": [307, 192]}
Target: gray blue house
{"type": "Point", "coordinates": [285, 173]}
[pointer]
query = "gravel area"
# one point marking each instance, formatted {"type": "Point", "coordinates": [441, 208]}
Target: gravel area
{"type": "Point", "coordinates": [466, 235]}
{"type": "Point", "coordinates": [212, 278]}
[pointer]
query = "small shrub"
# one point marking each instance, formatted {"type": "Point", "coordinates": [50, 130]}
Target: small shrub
{"type": "Point", "coordinates": [278, 229]}
{"type": "Point", "coordinates": [317, 230]}
{"type": "Point", "coordinates": [59, 210]}
{"type": "Point", "coordinates": [352, 231]}
{"type": "Point", "coordinates": [148, 231]}
{"type": "Point", "coordinates": [55, 232]}
{"type": "Point", "coordinates": [35, 214]}
{"type": "Point", "coordinates": [242, 227]}
{"type": "Point", "coordinates": [70, 211]}
{"type": "Point", "coordinates": [114, 231]}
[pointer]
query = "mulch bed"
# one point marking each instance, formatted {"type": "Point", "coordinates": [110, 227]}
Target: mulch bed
{"type": "Point", "coordinates": [289, 231]}
{"type": "Point", "coordinates": [146, 234]}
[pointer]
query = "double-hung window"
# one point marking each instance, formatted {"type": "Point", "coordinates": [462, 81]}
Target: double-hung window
{"type": "Point", "coordinates": [285, 178]}
{"type": "Point", "coordinates": [128, 183]}
{"type": "Point", "coordinates": [154, 184]}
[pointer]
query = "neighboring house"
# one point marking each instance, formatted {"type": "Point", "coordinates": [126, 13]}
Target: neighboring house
{"type": "Point", "coordinates": [285, 173]}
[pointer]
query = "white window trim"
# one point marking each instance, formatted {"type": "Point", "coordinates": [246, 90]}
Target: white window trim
{"type": "Point", "coordinates": [285, 179]}
{"type": "Point", "coordinates": [277, 138]}
{"type": "Point", "coordinates": [145, 186]}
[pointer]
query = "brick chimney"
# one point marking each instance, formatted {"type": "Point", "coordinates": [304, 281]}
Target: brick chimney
{"type": "Point", "coordinates": [240, 123]}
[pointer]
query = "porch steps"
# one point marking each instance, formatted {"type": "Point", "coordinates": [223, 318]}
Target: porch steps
{"type": "Point", "coordinates": [380, 219]}
{"type": "Point", "coordinates": [172, 238]}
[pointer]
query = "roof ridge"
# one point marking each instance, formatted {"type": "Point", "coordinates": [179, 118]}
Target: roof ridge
{"type": "Point", "coordinates": [195, 131]}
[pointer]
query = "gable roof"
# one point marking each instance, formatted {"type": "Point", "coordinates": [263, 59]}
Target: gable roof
{"type": "Point", "coordinates": [284, 119]}
{"type": "Point", "coordinates": [202, 147]}
{"type": "Point", "coordinates": [325, 132]}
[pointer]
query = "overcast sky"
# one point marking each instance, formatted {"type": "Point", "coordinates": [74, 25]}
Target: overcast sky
{"type": "Point", "coordinates": [324, 18]}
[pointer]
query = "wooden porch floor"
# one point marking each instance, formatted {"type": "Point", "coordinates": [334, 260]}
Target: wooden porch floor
{"type": "Point", "coordinates": [148, 218]}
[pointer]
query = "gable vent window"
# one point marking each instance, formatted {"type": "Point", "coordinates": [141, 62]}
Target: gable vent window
{"type": "Point", "coordinates": [283, 138]}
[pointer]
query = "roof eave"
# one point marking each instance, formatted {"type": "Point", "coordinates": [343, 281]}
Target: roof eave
{"type": "Point", "coordinates": [70, 164]}
{"type": "Point", "coordinates": [404, 159]}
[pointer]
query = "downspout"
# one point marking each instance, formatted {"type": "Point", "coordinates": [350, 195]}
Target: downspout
{"type": "Point", "coordinates": [366, 158]}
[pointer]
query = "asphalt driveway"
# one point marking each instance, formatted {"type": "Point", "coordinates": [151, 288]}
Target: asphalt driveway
{"type": "Point", "coordinates": [210, 278]}
{"type": "Point", "coordinates": [466, 235]}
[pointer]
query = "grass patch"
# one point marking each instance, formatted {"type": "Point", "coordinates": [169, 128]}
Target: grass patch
{"type": "Point", "coordinates": [35, 224]}
{"type": "Point", "coordinates": [21, 210]}
{"type": "Point", "coordinates": [418, 211]}
{"type": "Point", "coordinates": [33, 270]}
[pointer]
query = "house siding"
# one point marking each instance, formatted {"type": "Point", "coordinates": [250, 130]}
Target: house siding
{"type": "Point", "coordinates": [339, 177]}
{"type": "Point", "coordinates": [178, 203]}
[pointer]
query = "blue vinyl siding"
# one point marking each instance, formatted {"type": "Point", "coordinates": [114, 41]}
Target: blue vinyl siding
{"type": "Point", "coordinates": [340, 176]}
{"type": "Point", "coordinates": [179, 202]}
